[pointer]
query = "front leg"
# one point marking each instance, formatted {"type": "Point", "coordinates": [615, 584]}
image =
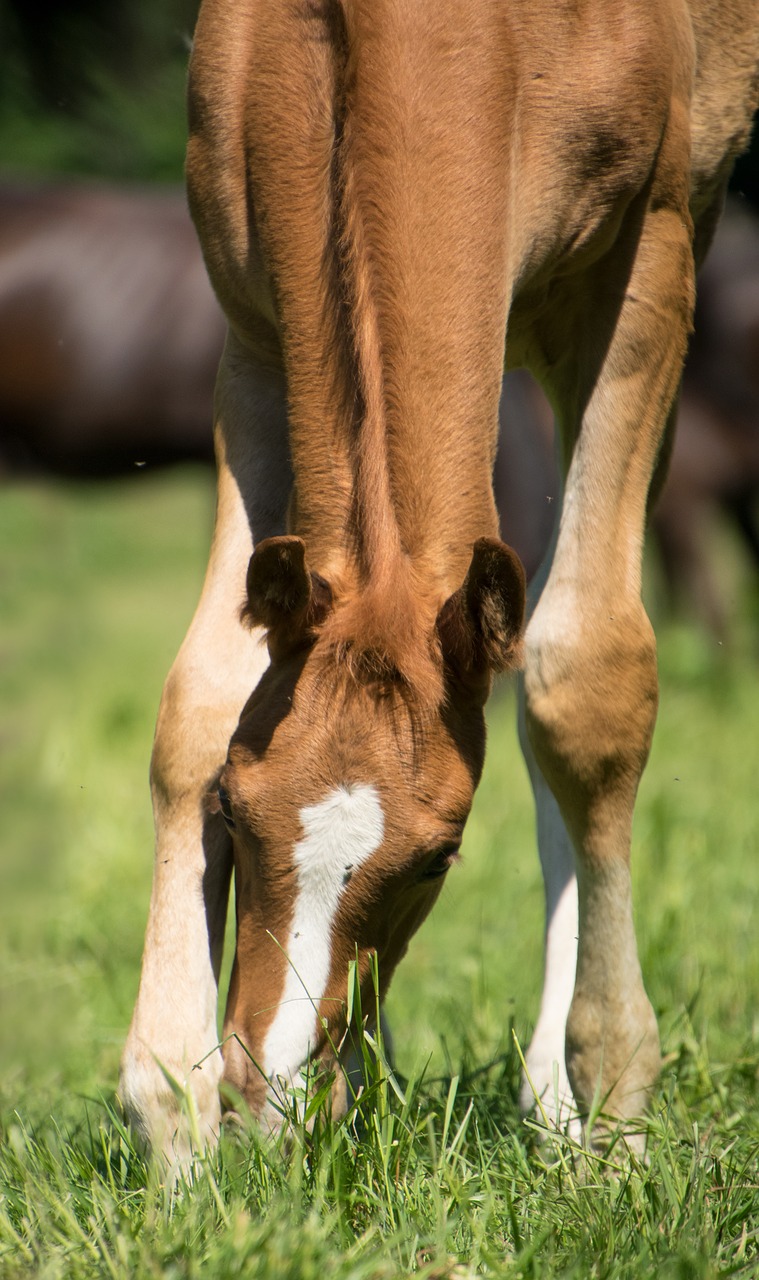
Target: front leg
{"type": "Point", "coordinates": [590, 678]}
{"type": "Point", "coordinates": [174, 1027]}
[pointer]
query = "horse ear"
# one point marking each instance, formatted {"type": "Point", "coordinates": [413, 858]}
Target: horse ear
{"type": "Point", "coordinates": [283, 596]}
{"type": "Point", "coordinates": [480, 625]}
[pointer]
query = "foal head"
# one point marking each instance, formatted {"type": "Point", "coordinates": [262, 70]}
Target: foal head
{"type": "Point", "coordinates": [346, 789]}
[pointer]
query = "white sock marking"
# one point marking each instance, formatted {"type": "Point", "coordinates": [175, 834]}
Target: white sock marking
{"type": "Point", "coordinates": [339, 834]}
{"type": "Point", "coordinates": [547, 1045]}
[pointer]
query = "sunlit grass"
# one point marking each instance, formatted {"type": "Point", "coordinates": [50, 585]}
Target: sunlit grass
{"type": "Point", "coordinates": [98, 586]}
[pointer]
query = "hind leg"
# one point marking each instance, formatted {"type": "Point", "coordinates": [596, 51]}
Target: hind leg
{"type": "Point", "coordinates": [546, 1078]}
{"type": "Point", "coordinates": [590, 677]}
{"type": "Point", "coordinates": [174, 1028]}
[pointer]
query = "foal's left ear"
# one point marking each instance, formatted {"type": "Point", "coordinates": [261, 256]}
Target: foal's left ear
{"type": "Point", "coordinates": [283, 596]}
{"type": "Point", "coordinates": [480, 625]}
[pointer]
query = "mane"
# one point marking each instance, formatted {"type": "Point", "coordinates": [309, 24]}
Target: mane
{"type": "Point", "coordinates": [373, 521]}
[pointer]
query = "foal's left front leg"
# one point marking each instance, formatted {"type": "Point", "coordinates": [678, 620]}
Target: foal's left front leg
{"type": "Point", "coordinates": [590, 678]}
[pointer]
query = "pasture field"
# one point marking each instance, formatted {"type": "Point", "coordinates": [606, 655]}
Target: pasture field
{"type": "Point", "coordinates": [440, 1177]}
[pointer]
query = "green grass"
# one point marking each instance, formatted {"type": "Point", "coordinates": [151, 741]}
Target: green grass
{"type": "Point", "coordinates": [116, 106]}
{"type": "Point", "coordinates": [97, 586]}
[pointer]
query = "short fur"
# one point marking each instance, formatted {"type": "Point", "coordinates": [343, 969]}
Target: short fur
{"type": "Point", "coordinates": [393, 198]}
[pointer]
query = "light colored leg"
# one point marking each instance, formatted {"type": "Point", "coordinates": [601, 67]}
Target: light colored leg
{"type": "Point", "coordinates": [545, 1058]}
{"type": "Point", "coordinates": [546, 1077]}
{"type": "Point", "coordinates": [174, 1026]}
{"type": "Point", "coordinates": [590, 677]}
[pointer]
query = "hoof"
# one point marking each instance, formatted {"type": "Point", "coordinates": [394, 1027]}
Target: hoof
{"type": "Point", "coordinates": [174, 1112]}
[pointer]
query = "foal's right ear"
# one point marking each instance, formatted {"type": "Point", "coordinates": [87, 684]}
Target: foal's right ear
{"type": "Point", "coordinates": [283, 596]}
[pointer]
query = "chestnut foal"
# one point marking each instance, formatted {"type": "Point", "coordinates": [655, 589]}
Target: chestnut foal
{"type": "Point", "coordinates": [390, 195]}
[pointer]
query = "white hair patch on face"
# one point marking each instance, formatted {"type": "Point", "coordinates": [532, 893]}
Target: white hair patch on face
{"type": "Point", "coordinates": [339, 834]}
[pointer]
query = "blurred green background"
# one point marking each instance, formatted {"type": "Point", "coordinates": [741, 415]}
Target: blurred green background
{"type": "Point", "coordinates": [94, 89]}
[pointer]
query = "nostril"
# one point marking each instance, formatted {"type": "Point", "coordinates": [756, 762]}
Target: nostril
{"type": "Point", "coordinates": [232, 1121]}
{"type": "Point", "coordinates": [342, 1096]}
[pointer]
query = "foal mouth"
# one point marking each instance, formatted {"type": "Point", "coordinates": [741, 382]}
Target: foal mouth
{"type": "Point", "coordinates": [329, 1080]}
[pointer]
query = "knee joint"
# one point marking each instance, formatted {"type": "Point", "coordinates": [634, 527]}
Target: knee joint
{"type": "Point", "coordinates": [190, 743]}
{"type": "Point", "coordinates": [591, 700]}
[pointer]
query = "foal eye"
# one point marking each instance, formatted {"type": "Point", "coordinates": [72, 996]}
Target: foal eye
{"type": "Point", "coordinates": [226, 808]}
{"type": "Point", "coordinates": [440, 863]}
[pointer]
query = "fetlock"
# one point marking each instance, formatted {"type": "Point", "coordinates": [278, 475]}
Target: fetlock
{"type": "Point", "coordinates": [612, 1054]}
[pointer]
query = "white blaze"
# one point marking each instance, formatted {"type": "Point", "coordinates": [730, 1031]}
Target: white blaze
{"type": "Point", "coordinates": [339, 834]}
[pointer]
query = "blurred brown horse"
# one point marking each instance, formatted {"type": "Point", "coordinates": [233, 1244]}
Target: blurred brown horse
{"type": "Point", "coordinates": [109, 333]}
{"type": "Point", "coordinates": [110, 337]}
{"type": "Point", "coordinates": [715, 458]}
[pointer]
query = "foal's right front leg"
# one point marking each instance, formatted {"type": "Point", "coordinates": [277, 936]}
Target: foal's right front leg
{"type": "Point", "coordinates": [173, 1036]}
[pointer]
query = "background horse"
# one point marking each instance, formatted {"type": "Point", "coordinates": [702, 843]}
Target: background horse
{"type": "Point", "coordinates": [112, 337]}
